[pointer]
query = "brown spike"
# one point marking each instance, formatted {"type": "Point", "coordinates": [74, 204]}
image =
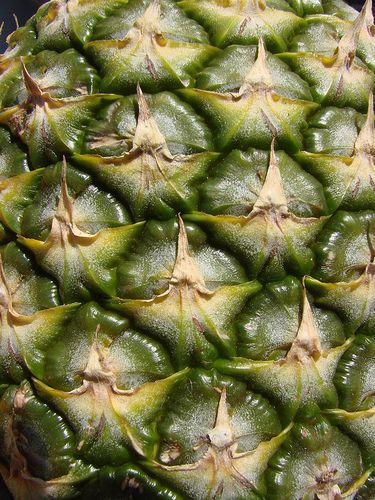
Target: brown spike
{"type": "Point", "coordinates": [35, 93]}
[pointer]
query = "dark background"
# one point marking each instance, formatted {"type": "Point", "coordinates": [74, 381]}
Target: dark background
{"type": "Point", "coordinates": [23, 9]}
{"type": "Point", "coordinates": [26, 8]}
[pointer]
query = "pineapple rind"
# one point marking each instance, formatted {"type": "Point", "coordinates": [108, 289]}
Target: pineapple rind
{"type": "Point", "coordinates": [187, 291]}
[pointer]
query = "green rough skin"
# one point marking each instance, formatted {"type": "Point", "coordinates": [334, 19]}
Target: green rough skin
{"type": "Point", "coordinates": [187, 251]}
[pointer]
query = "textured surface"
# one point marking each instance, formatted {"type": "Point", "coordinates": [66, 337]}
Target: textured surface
{"type": "Point", "coordinates": [187, 227]}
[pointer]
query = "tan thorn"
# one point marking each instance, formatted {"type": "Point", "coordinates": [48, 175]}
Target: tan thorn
{"type": "Point", "coordinates": [64, 212]}
{"type": "Point", "coordinates": [97, 369]}
{"type": "Point", "coordinates": [31, 85]}
{"type": "Point", "coordinates": [5, 292]}
{"type": "Point", "coordinates": [20, 398]}
{"type": "Point", "coordinates": [307, 341]}
{"type": "Point", "coordinates": [150, 21]}
{"type": "Point", "coordinates": [16, 21]}
{"type": "Point", "coordinates": [330, 492]}
{"type": "Point", "coordinates": [259, 75]}
{"type": "Point", "coordinates": [63, 223]}
{"type": "Point", "coordinates": [222, 435]}
{"type": "Point", "coordinates": [185, 271]}
{"type": "Point", "coordinates": [369, 16]}
{"type": "Point", "coordinates": [365, 142]}
{"type": "Point", "coordinates": [347, 47]}
{"type": "Point", "coordinates": [253, 6]}
{"type": "Point", "coordinates": [147, 134]}
{"type": "Point", "coordinates": [272, 194]}
{"type": "Point", "coordinates": [144, 112]}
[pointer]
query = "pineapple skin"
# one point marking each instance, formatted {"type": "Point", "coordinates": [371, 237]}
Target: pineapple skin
{"type": "Point", "coordinates": [187, 243]}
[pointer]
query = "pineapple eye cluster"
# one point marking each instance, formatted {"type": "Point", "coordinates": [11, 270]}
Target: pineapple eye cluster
{"type": "Point", "coordinates": [187, 251]}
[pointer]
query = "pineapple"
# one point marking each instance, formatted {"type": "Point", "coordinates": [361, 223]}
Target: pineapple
{"type": "Point", "coordinates": [187, 272]}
